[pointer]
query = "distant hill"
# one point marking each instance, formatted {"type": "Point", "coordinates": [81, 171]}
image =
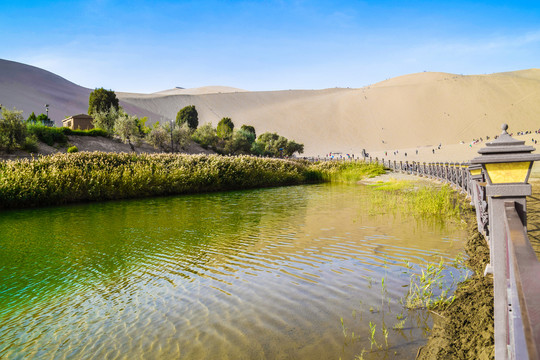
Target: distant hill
{"type": "Point", "coordinates": [407, 111]}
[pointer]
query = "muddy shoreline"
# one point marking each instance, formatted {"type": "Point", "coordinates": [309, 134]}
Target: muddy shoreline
{"type": "Point", "coordinates": [465, 328]}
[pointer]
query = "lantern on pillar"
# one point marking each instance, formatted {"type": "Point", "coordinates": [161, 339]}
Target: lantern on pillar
{"type": "Point", "coordinates": [506, 160]}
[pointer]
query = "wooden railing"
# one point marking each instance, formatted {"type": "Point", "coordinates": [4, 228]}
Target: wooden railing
{"type": "Point", "coordinates": [513, 262]}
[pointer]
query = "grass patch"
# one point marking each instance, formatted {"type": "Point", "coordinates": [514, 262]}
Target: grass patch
{"type": "Point", "coordinates": [343, 171]}
{"type": "Point", "coordinates": [423, 200]}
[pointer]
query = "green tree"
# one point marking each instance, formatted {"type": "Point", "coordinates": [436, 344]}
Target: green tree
{"type": "Point", "coordinates": [293, 147]}
{"type": "Point", "coordinates": [32, 118]}
{"type": "Point", "coordinates": [240, 143]}
{"type": "Point", "coordinates": [12, 129]}
{"type": "Point", "coordinates": [225, 128]}
{"type": "Point", "coordinates": [44, 119]}
{"type": "Point", "coordinates": [270, 144]}
{"type": "Point", "coordinates": [101, 100]}
{"type": "Point", "coordinates": [188, 115]}
{"type": "Point", "coordinates": [106, 119]}
{"type": "Point", "coordinates": [141, 125]}
{"type": "Point", "coordinates": [205, 136]}
{"type": "Point", "coordinates": [126, 128]}
{"type": "Point", "coordinates": [250, 129]}
{"type": "Point", "coordinates": [159, 138]}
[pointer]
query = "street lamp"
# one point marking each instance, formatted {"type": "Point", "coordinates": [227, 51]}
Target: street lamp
{"type": "Point", "coordinates": [47, 110]}
{"type": "Point", "coordinates": [506, 160]}
{"type": "Point", "coordinates": [172, 124]}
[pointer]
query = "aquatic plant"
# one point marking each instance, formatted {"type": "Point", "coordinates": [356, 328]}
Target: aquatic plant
{"type": "Point", "coordinates": [423, 200]}
{"type": "Point", "coordinates": [61, 179]}
{"type": "Point", "coordinates": [345, 171]}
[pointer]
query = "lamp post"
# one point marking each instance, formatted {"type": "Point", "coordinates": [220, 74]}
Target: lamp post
{"type": "Point", "coordinates": [47, 110]}
{"type": "Point", "coordinates": [172, 145]}
{"type": "Point", "coordinates": [506, 164]}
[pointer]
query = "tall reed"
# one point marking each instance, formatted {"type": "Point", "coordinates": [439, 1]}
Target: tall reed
{"type": "Point", "coordinates": [66, 178]}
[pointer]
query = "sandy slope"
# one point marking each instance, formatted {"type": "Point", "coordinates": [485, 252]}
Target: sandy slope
{"type": "Point", "coordinates": [408, 112]}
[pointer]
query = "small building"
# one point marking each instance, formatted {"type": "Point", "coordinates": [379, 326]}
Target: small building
{"type": "Point", "coordinates": [78, 122]}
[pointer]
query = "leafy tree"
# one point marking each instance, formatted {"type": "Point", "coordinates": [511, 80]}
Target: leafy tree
{"type": "Point", "coordinates": [102, 100]}
{"type": "Point", "coordinates": [32, 118]}
{"type": "Point", "coordinates": [188, 115]}
{"type": "Point", "coordinates": [293, 147]}
{"type": "Point", "coordinates": [205, 136]}
{"type": "Point", "coordinates": [126, 127]}
{"type": "Point", "coordinates": [270, 144]}
{"type": "Point", "coordinates": [159, 138]}
{"type": "Point", "coordinates": [141, 125]}
{"type": "Point", "coordinates": [44, 119]}
{"type": "Point", "coordinates": [240, 143]}
{"type": "Point", "coordinates": [181, 137]}
{"type": "Point", "coordinates": [106, 119]}
{"type": "Point", "coordinates": [12, 129]}
{"type": "Point", "coordinates": [250, 129]}
{"type": "Point", "coordinates": [225, 128]}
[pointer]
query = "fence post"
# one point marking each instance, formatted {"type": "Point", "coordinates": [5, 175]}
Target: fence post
{"type": "Point", "coordinates": [507, 163]}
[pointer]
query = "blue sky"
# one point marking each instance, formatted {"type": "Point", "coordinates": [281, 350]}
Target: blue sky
{"type": "Point", "coordinates": [147, 46]}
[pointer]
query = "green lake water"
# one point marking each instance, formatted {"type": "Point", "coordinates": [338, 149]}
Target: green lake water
{"type": "Point", "coordinates": [259, 274]}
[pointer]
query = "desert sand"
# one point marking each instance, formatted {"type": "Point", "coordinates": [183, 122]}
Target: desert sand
{"type": "Point", "coordinates": [407, 113]}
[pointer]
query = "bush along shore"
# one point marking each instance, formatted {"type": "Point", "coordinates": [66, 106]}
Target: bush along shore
{"type": "Point", "coordinates": [79, 177]}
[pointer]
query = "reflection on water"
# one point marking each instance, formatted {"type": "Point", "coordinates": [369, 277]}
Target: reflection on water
{"type": "Point", "coordinates": [241, 275]}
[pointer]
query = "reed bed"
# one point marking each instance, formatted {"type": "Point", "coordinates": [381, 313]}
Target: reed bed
{"type": "Point", "coordinates": [84, 176]}
{"type": "Point", "coordinates": [429, 202]}
{"type": "Point", "coordinates": [344, 171]}
{"type": "Point", "coordinates": [66, 178]}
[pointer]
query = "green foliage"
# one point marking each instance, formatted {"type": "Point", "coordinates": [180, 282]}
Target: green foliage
{"type": "Point", "coordinates": [72, 149]}
{"type": "Point", "coordinates": [12, 129]}
{"type": "Point", "coordinates": [225, 128]}
{"type": "Point", "coordinates": [272, 144]}
{"type": "Point", "coordinates": [344, 171]}
{"type": "Point", "coordinates": [240, 143]}
{"type": "Point", "coordinates": [439, 203]}
{"type": "Point", "coordinates": [250, 129]}
{"type": "Point", "coordinates": [141, 125]}
{"type": "Point", "coordinates": [188, 115]}
{"type": "Point", "coordinates": [102, 100]}
{"type": "Point", "coordinates": [106, 119]}
{"type": "Point", "coordinates": [92, 132]}
{"type": "Point", "coordinates": [47, 135]}
{"type": "Point", "coordinates": [126, 128]}
{"type": "Point", "coordinates": [32, 118]}
{"type": "Point", "coordinates": [293, 147]}
{"type": "Point", "coordinates": [158, 138]}
{"type": "Point", "coordinates": [44, 119]}
{"type": "Point", "coordinates": [83, 176]}
{"type": "Point", "coordinates": [30, 144]}
{"type": "Point", "coordinates": [206, 136]}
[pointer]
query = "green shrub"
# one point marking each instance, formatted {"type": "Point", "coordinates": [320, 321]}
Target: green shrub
{"type": "Point", "coordinates": [48, 135]}
{"type": "Point", "coordinates": [30, 144]}
{"type": "Point", "coordinates": [91, 132]}
{"type": "Point", "coordinates": [12, 129]}
{"type": "Point", "coordinates": [72, 149]}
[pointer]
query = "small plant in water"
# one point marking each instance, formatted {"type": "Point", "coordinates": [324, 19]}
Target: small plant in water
{"type": "Point", "coordinates": [372, 331]}
{"type": "Point", "coordinates": [399, 325]}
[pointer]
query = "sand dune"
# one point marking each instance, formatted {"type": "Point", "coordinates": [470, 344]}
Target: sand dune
{"type": "Point", "coordinates": [407, 112]}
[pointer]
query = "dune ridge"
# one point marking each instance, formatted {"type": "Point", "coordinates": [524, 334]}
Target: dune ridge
{"type": "Point", "coordinates": [407, 112]}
